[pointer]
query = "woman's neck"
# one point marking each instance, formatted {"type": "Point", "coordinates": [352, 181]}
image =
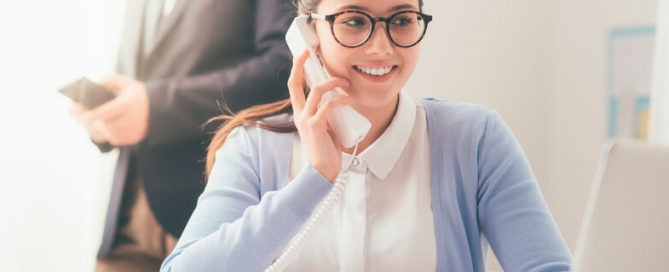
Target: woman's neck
{"type": "Point", "coordinates": [380, 119]}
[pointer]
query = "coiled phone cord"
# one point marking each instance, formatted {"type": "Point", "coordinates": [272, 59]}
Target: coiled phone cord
{"type": "Point", "coordinates": [329, 201]}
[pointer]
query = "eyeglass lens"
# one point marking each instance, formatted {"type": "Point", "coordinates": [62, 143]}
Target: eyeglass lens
{"type": "Point", "coordinates": [353, 28]}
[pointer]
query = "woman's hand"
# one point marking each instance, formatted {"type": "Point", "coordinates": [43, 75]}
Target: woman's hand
{"type": "Point", "coordinates": [320, 143]}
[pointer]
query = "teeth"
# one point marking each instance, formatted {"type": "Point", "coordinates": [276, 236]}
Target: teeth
{"type": "Point", "coordinates": [374, 71]}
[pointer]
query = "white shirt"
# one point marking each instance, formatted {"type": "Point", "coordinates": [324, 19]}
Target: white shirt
{"type": "Point", "coordinates": [383, 221]}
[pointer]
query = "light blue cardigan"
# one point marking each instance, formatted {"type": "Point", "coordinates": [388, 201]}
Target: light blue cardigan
{"type": "Point", "coordinates": [483, 193]}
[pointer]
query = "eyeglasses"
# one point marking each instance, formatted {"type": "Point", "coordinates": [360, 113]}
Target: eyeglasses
{"type": "Point", "coordinates": [353, 28]}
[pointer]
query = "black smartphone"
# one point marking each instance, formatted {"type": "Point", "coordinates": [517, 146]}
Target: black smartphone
{"type": "Point", "coordinates": [87, 92]}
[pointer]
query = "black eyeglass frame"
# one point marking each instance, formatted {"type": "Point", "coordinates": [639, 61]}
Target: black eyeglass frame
{"type": "Point", "coordinates": [332, 17]}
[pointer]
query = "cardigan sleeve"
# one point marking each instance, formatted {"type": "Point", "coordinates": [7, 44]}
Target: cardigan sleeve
{"type": "Point", "coordinates": [234, 227]}
{"type": "Point", "coordinates": [512, 213]}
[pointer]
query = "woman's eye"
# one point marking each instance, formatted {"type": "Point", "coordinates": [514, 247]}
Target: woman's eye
{"type": "Point", "coordinates": [354, 22]}
{"type": "Point", "coordinates": [402, 21]}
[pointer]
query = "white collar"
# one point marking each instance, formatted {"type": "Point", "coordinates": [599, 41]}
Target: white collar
{"type": "Point", "coordinates": [382, 155]}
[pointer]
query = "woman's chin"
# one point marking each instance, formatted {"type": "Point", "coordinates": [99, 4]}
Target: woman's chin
{"type": "Point", "coordinates": [374, 101]}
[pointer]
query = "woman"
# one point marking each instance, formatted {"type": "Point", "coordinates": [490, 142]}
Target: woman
{"type": "Point", "coordinates": [431, 186]}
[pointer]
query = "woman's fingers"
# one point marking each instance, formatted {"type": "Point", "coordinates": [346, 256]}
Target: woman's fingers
{"type": "Point", "coordinates": [311, 117]}
{"type": "Point", "coordinates": [317, 92]}
{"type": "Point", "coordinates": [326, 108]}
{"type": "Point", "coordinates": [296, 83]}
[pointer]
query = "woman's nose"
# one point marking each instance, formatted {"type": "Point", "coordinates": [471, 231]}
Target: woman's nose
{"type": "Point", "coordinates": [379, 43]}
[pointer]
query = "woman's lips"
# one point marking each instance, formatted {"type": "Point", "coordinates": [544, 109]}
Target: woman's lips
{"type": "Point", "coordinates": [376, 74]}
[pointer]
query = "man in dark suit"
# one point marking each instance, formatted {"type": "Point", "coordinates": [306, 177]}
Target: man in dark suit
{"type": "Point", "coordinates": [179, 62]}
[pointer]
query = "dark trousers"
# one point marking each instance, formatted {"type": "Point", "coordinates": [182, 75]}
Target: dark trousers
{"type": "Point", "coordinates": [140, 244]}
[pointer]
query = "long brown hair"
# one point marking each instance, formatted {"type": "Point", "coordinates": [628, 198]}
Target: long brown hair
{"type": "Point", "coordinates": [253, 115]}
{"type": "Point", "coordinates": [249, 117]}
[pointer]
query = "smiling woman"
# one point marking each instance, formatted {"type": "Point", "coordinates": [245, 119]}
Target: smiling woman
{"type": "Point", "coordinates": [431, 187]}
{"type": "Point", "coordinates": [52, 179]}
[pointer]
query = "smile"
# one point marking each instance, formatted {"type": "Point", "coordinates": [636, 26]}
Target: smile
{"type": "Point", "coordinates": [374, 71]}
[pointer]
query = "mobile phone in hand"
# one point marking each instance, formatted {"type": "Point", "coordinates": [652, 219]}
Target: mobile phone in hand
{"type": "Point", "coordinates": [87, 93]}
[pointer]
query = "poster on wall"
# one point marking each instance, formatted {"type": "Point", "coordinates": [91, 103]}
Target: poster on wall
{"type": "Point", "coordinates": [629, 81]}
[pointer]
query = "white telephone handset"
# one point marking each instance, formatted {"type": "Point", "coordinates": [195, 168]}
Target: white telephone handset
{"type": "Point", "coordinates": [349, 126]}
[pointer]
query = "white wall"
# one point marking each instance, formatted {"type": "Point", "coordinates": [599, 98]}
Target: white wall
{"type": "Point", "coordinates": [494, 53]}
{"type": "Point", "coordinates": [52, 197]}
{"type": "Point", "coordinates": [577, 45]}
{"type": "Point", "coordinates": [659, 109]}
{"type": "Point", "coordinates": [542, 65]}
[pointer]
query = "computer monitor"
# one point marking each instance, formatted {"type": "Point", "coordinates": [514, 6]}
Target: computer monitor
{"type": "Point", "coordinates": [626, 222]}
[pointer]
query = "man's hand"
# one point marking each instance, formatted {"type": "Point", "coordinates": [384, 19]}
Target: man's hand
{"type": "Point", "coordinates": [123, 120]}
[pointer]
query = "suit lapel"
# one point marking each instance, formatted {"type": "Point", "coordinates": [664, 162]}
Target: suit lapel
{"type": "Point", "coordinates": [167, 25]}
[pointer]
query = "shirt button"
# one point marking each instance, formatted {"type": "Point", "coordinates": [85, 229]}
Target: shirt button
{"type": "Point", "coordinates": [356, 162]}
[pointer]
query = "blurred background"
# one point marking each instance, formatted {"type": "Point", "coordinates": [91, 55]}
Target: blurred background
{"type": "Point", "coordinates": [55, 183]}
{"type": "Point", "coordinates": [551, 68]}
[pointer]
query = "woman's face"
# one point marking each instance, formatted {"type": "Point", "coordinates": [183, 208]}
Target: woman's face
{"type": "Point", "coordinates": [355, 64]}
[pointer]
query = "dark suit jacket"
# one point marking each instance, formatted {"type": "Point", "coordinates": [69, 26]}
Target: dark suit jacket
{"type": "Point", "coordinates": [206, 51]}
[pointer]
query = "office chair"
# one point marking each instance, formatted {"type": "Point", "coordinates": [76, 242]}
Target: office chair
{"type": "Point", "coordinates": [626, 221]}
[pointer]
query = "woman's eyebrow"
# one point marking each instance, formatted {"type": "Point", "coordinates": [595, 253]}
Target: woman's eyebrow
{"type": "Point", "coordinates": [402, 7]}
{"type": "Point", "coordinates": [395, 8]}
{"type": "Point", "coordinates": [355, 7]}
